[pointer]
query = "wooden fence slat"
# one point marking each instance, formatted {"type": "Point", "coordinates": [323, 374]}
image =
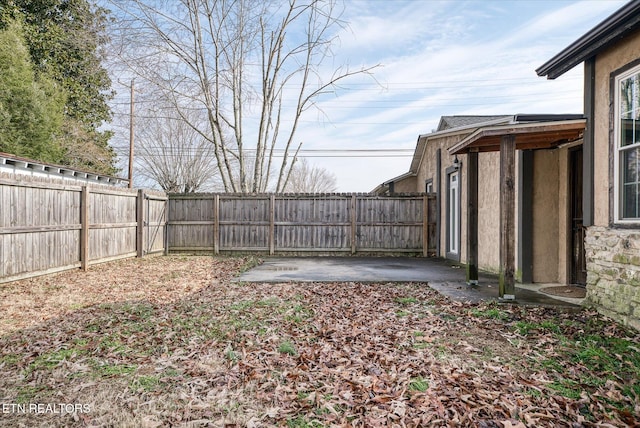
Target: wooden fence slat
{"type": "Point", "coordinates": [425, 226]}
{"type": "Point", "coordinates": [50, 227]}
{"type": "Point", "coordinates": [216, 225]}
{"type": "Point", "coordinates": [84, 232]}
{"type": "Point", "coordinates": [272, 226]}
{"type": "Point", "coordinates": [293, 223]}
{"type": "Point", "coordinates": [140, 224]}
{"type": "Point", "coordinates": [354, 226]}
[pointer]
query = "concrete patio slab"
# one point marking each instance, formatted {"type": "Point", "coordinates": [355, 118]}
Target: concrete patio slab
{"type": "Point", "coordinates": [441, 275]}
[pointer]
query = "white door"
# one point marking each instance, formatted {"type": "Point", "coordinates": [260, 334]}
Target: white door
{"type": "Point", "coordinates": [453, 223]}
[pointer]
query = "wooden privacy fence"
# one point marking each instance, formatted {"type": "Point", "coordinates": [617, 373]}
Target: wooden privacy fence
{"type": "Point", "coordinates": [335, 223]}
{"type": "Point", "coordinates": [47, 227]}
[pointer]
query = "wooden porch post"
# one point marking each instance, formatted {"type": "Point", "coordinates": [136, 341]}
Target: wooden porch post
{"type": "Point", "coordinates": [472, 218]}
{"type": "Point", "coordinates": [507, 217]}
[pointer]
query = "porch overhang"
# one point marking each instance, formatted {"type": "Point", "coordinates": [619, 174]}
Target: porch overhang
{"type": "Point", "coordinates": [528, 136]}
{"type": "Point", "coordinates": [507, 139]}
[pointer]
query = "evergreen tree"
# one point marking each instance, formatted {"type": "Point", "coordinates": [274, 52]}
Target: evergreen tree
{"type": "Point", "coordinates": [31, 108]}
{"type": "Point", "coordinates": [65, 38]}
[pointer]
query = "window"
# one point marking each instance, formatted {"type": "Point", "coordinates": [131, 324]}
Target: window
{"type": "Point", "coordinates": [429, 186]}
{"type": "Point", "coordinates": [627, 152]}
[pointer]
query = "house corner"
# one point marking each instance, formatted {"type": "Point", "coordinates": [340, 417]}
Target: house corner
{"type": "Point", "coordinates": [613, 273]}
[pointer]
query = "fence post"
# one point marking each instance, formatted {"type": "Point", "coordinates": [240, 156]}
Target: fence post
{"type": "Point", "coordinates": [166, 226]}
{"type": "Point", "coordinates": [425, 226]}
{"type": "Point", "coordinates": [140, 221]}
{"type": "Point", "coordinates": [353, 224]}
{"type": "Point", "coordinates": [84, 228]}
{"type": "Point", "coordinates": [272, 225]}
{"type": "Point", "coordinates": [216, 224]}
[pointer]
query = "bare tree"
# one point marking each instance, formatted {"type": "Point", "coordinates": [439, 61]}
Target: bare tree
{"type": "Point", "coordinates": [305, 178]}
{"type": "Point", "coordinates": [172, 154]}
{"type": "Point", "coordinates": [251, 67]}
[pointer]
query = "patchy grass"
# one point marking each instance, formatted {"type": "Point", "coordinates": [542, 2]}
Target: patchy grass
{"type": "Point", "coordinates": [406, 300]}
{"type": "Point", "coordinates": [287, 347]}
{"type": "Point", "coordinates": [418, 384]}
{"type": "Point", "coordinates": [173, 341]}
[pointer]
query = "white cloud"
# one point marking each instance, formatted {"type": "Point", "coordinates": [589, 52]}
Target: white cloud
{"type": "Point", "coordinates": [443, 58]}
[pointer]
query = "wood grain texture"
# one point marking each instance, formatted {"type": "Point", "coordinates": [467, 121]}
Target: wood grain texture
{"type": "Point", "coordinates": [298, 223]}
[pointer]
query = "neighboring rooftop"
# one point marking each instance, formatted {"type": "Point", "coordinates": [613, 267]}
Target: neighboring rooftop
{"type": "Point", "coordinates": [451, 122]}
{"type": "Point", "coordinates": [23, 166]}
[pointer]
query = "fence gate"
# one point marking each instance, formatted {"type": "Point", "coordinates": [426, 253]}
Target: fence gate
{"type": "Point", "coordinates": [155, 220]}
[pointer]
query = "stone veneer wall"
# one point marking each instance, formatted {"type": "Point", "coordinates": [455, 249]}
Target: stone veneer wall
{"type": "Point", "coordinates": [613, 273]}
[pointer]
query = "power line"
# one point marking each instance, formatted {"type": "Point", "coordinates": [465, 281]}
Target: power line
{"type": "Point", "coordinates": [157, 151]}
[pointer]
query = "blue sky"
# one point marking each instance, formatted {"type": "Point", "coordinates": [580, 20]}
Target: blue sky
{"type": "Point", "coordinates": [436, 57]}
{"type": "Point", "coordinates": [440, 58]}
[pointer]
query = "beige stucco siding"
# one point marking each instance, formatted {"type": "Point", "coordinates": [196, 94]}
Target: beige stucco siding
{"type": "Point", "coordinates": [489, 211]}
{"type": "Point", "coordinates": [545, 216]}
{"type": "Point", "coordinates": [625, 52]}
{"type": "Point", "coordinates": [407, 185]}
{"type": "Point", "coordinates": [563, 210]}
{"type": "Point", "coordinates": [613, 264]}
{"type": "Point", "coordinates": [428, 171]}
{"type": "Point", "coordinates": [488, 198]}
{"type": "Point", "coordinates": [550, 204]}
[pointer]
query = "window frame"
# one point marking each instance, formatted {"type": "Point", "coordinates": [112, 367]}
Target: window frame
{"type": "Point", "coordinates": [618, 149]}
{"type": "Point", "coordinates": [428, 183]}
{"type": "Point", "coordinates": [454, 206]}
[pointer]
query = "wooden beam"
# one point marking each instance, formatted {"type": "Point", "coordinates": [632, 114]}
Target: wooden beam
{"type": "Point", "coordinates": [472, 218]}
{"type": "Point", "coordinates": [507, 217]}
{"type": "Point", "coordinates": [545, 134]}
{"type": "Point", "coordinates": [588, 146]}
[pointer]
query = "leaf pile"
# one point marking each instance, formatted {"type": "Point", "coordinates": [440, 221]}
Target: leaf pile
{"type": "Point", "coordinates": [173, 341]}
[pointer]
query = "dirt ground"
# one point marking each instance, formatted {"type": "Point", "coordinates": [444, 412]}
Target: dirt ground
{"type": "Point", "coordinates": [174, 341]}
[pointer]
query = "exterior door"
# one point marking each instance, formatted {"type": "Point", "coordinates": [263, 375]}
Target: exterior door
{"type": "Point", "coordinates": [453, 215]}
{"type": "Point", "coordinates": [578, 257]}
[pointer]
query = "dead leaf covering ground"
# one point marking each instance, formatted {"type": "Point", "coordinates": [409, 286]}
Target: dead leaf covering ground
{"type": "Point", "coordinates": [173, 341]}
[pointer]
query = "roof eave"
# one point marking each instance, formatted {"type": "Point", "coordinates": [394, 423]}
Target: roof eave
{"type": "Point", "coordinates": [466, 128]}
{"type": "Point", "coordinates": [400, 177]}
{"type": "Point", "coordinates": [515, 129]}
{"type": "Point", "coordinates": [625, 19]}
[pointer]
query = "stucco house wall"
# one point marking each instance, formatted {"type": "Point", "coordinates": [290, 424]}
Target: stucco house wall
{"type": "Point", "coordinates": [427, 170]}
{"type": "Point", "coordinates": [549, 228]}
{"type": "Point", "coordinates": [613, 252]}
{"type": "Point", "coordinates": [545, 216]}
{"type": "Point", "coordinates": [488, 197]}
{"type": "Point", "coordinates": [406, 185]}
{"type": "Point", "coordinates": [488, 212]}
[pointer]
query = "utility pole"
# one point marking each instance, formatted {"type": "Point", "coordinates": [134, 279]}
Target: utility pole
{"type": "Point", "coordinates": [131, 137]}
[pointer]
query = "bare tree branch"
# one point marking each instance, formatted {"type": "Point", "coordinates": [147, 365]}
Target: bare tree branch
{"type": "Point", "coordinates": [304, 178]}
{"type": "Point", "coordinates": [240, 64]}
